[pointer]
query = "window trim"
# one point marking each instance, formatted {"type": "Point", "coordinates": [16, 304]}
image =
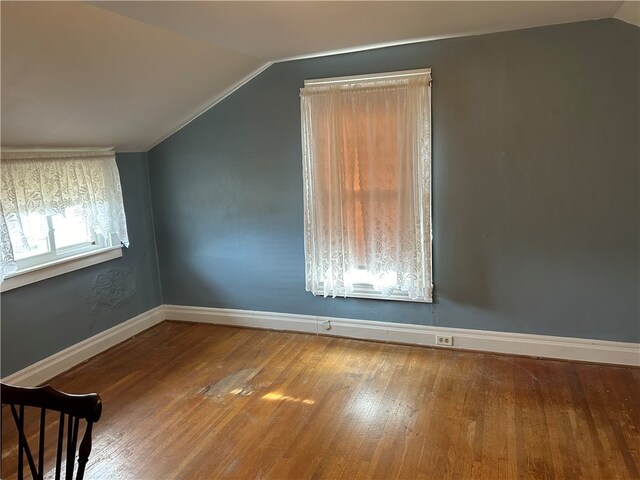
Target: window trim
{"type": "Point", "coordinates": [368, 77]}
{"type": "Point", "coordinates": [366, 290]}
{"type": "Point", "coordinates": [60, 266]}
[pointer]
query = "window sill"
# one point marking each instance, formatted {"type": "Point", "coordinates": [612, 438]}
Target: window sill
{"type": "Point", "coordinates": [370, 293]}
{"type": "Point", "coordinates": [59, 267]}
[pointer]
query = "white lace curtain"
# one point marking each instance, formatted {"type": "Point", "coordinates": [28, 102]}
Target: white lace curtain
{"type": "Point", "coordinates": [47, 183]}
{"type": "Point", "coordinates": [367, 186]}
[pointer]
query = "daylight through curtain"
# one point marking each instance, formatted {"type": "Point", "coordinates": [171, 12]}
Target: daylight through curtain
{"type": "Point", "coordinates": [367, 177]}
{"type": "Point", "coordinates": [49, 183]}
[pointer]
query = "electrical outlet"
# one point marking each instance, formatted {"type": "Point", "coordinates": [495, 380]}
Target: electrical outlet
{"type": "Point", "coordinates": [445, 340]}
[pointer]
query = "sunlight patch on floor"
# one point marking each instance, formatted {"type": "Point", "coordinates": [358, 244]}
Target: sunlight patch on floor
{"type": "Point", "coordinates": [279, 396]}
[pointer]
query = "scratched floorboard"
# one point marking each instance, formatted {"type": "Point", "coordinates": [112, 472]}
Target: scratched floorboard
{"type": "Point", "coordinates": [189, 401]}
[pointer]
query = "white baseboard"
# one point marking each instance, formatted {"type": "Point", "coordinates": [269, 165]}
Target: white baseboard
{"type": "Point", "coordinates": [290, 322]}
{"type": "Point", "coordinates": [565, 348]}
{"type": "Point", "coordinates": [62, 361]}
{"type": "Point", "coordinates": [545, 346]}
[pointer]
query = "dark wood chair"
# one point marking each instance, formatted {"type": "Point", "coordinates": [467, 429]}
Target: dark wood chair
{"type": "Point", "coordinates": [74, 407]}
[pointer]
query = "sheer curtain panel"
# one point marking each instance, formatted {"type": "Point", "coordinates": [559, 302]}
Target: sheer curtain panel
{"type": "Point", "coordinates": [50, 183]}
{"type": "Point", "coordinates": [367, 185]}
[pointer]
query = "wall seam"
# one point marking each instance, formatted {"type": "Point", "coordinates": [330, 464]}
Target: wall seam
{"type": "Point", "coordinates": [153, 228]}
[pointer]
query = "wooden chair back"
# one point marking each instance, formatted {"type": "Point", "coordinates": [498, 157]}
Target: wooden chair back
{"type": "Point", "coordinates": [71, 408]}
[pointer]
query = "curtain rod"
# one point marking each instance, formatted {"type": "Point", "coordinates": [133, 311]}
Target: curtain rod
{"type": "Point", "coordinates": [369, 77]}
{"type": "Point", "coordinates": [55, 150]}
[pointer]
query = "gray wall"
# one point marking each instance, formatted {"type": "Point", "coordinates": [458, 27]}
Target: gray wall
{"type": "Point", "coordinates": [535, 187]}
{"type": "Point", "coordinates": [43, 318]}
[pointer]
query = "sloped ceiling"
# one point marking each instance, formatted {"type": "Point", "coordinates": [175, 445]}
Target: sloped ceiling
{"type": "Point", "coordinates": [127, 74]}
{"type": "Point", "coordinates": [629, 12]}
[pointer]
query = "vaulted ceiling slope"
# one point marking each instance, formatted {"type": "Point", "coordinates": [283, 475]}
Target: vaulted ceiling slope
{"type": "Point", "coordinates": [128, 74]}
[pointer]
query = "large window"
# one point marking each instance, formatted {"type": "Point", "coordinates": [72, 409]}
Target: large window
{"type": "Point", "coordinates": [58, 207]}
{"type": "Point", "coordinates": [367, 185]}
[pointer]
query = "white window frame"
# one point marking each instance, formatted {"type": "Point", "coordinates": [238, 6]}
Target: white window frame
{"type": "Point", "coordinates": [58, 267]}
{"type": "Point", "coordinates": [58, 261]}
{"type": "Point", "coordinates": [366, 290]}
{"type": "Point", "coordinates": [56, 253]}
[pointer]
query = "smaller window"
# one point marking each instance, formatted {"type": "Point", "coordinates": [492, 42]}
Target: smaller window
{"type": "Point", "coordinates": [58, 207]}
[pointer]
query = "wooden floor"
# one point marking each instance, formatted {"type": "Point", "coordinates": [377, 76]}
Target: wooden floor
{"type": "Point", "coordinates": [189, 401]}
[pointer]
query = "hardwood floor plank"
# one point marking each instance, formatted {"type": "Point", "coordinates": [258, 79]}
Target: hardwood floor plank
{"type": "Point", "coordinates": [193, 401]}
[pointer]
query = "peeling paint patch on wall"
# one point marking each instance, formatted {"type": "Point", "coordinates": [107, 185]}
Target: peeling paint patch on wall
{"type": "Point", "coordinates": [112, 289]}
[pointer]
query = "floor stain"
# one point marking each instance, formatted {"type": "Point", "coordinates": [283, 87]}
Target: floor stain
{"type": "Point", "coordinates": [234, 384]}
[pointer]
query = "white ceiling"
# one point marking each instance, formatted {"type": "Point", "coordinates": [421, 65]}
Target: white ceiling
{"type": "Point", "coordinates": [128, 74]}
